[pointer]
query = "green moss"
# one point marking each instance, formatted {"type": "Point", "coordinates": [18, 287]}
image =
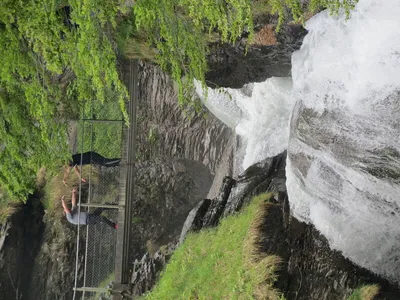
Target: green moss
{"type": "Point", "coordinates": [366, 292]}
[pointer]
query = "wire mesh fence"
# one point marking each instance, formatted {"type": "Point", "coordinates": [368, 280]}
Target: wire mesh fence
{"type": "Point", "coordinates": [100, 146]}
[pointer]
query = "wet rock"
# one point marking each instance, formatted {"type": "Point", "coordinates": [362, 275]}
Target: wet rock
{"type": "Point", "coordinates": [261, 177]}
{"type": "Point", "coordinates": [309, 269]}
{"type": "Point", "coordinates": [217, 206]}
{"type": "Point", "coordinates": [195, 219]}
{"type": "Point", "coordinates": [234, 194]}
{"type": "Point", "coordinates": [164, 195]}
{"type": "Point", "coordinates": [146, 271]}
{"type": "Point", "coordinates": [3, 234]}
{"type": "Point", "coordinates": [234, 66]}
{"type": "Point", "coordinates": [167, 131]}
{"type": "Point", "coordinates": [208, 212]}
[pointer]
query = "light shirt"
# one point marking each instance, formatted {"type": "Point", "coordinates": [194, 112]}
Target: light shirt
{"type": "Point", "coordinates": [74, 218]}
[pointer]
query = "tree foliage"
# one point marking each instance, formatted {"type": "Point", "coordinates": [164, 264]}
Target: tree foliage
{"type": "Point", "coordinates": [300, 9]}
{"type": "Point", "coordinates": [55, 55]}
{"type": "Point", "coordinates": [177, 29]}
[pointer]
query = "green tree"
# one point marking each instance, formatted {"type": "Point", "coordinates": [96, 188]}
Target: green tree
{"type": "Point", "coordinates": [55, 56]}
{"type": "Point", "coordinates": [178, 30]}
{"type": "Point", "coordinates": [58, 54]}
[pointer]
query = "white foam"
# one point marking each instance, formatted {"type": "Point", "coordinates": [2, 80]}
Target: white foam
{"type": "Point", "coordinates": [343, 162]}
{"type": "Point", "coordinates": [259, 112]}
{"type": "Point", "coordinates": [343, 155]}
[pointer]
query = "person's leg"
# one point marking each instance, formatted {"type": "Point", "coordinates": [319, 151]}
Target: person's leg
{"type": "Point", "coordinates": [67, 169]}
{"type": "Point", "coordinates": [112, 162]}
{"type": "Point", "coordinates": [94, 158]}
{"type": "Point", "coordinates": [108, 222]}
{"type": "Point", "coordinates": [98, 211]}
{"type": "Point", "coordinates": [93, 219]}
{"type": "Point", "coordinates": [97, 159]}
{"type": "Point", "coordinates": [104, 161]}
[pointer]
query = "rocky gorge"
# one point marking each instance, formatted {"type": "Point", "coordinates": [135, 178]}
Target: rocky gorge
{"type": "Point", "coordinates": [309, 268]}
{"type": "Point", "coordinates": [183, 160]}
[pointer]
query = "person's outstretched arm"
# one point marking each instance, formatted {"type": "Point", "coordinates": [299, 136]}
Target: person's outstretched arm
{"type": "Point", "coordinates": [67, 169]}
{"type": "Point", "coordinates": [73, 198]}
{"type": "Point", "coordinates": [78, 172]}
{"type": "Point", "coordinates": [64, 205]}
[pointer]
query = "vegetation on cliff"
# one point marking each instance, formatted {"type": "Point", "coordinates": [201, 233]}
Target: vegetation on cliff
{"type": "Point", "coordinates": [366, 292]}
{"type": "Point", "coordinates": [179, 30]}
{"type": "Point", "coordinates": [301, 10]}
{"type": "Point", "coordinates": [55, 56]}
{"type": "Point", "coordinates": [58, 55]}
{"type": "Point", "coordinates": [222, 263]}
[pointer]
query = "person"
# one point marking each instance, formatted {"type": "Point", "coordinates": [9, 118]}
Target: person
{"type": "Point", "coordinates": [87, 158]}
{"type": "Point", "coordinates": [84, 218]}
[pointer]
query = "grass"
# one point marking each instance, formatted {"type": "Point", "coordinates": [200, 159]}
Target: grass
{"type": "Point", "coordinates": [104, 138]}
{"type": "Point", "coordinates": [222, 263]}
{"type": "Point", "coordinates": [7, 209]}
{"type": "Point", "coordinates": [366, 292]}
{"type": "Point", "coordinates": [54, 188]}
{"type": "Point", "coordinates": [104, 284]}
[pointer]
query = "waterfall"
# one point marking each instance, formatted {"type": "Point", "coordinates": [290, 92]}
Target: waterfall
{"type": "Point", "coordinates": [259, 112]}
{"type": "Point", "coordinates": [343, 166]}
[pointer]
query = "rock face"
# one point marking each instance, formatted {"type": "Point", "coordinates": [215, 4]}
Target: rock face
{"type": "Point", "coordinates": [207, 212]}
{"type": "Point", "coordinates": [20, 240]}
{"type": "Point", "coordinates": [234, 66]}
{"type": "Point", "coordinates": [37, 258]}
{"type": "Point", "coordinates": [310, 269]}
{"type": "Point", "coordinates": [53, 270]}
{"type": "Point", "coordinates": [267, 175]}
{"type": "Point", "coordinates": [164, 195]}
{"type": "Point", "coordinates": [166, 131]}
{"type": "Point", "coordinates": [146, 271]}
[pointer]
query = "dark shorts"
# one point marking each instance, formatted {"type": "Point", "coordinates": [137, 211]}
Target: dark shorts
{"type": "Point", "coordinates": [81, 159]}
{"type": "Point", "coordinates": [94, 158]}
{"type": "Point", "coordinates": [93, 219]}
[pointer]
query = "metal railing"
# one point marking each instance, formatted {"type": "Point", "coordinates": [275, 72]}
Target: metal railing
{"type": "Point", "coordinates": [100, 133]}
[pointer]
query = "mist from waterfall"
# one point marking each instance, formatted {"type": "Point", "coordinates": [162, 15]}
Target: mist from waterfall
{"type": "Point", "coordinates": [343, 166]}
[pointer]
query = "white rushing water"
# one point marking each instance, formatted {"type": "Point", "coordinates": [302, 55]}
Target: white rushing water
{"type": "Point", "coordinates": [259, 112]}
{"type": "Point", "coordinates": [343, 167]}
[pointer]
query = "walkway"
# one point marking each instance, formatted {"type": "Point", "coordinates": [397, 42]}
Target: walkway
{"type": "Point", "coordinates": [102, 254]}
